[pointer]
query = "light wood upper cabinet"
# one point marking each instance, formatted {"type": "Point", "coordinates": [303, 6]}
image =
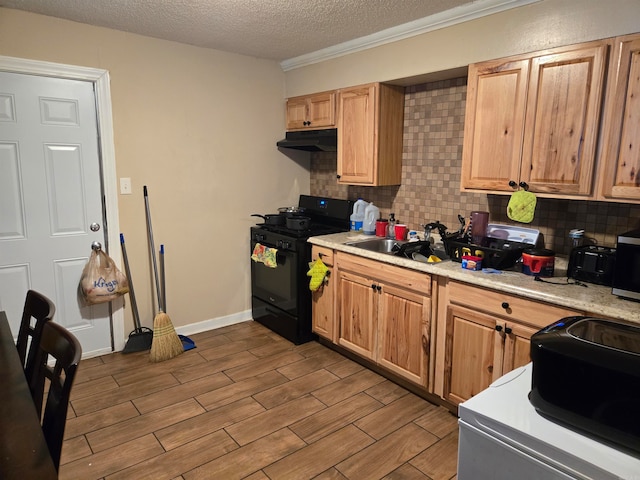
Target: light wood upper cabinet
{"type": "Point", "coordinates": [370, 128]}
{"type": "Point", "coordinates": [534, 119]}
{"type": "Point", "coordinates": [312, 112]}
{"type": "Point", "coordinates": [384, 315]}
{"type": "Point", "coordinates": [621, 154]}
{"type": "Point", "coordinates": [494, 124]}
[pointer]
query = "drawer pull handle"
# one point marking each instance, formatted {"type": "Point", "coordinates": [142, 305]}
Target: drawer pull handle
{"type": "Point", "coordinates": [505, 305]}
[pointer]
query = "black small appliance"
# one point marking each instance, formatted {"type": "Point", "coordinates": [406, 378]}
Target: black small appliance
{"type": "Point", "coordinates": [586, 375]}
{"type": "Point", "coordinates": [592, 264]}
{"type": "Point", "coordinates": [626, 276]}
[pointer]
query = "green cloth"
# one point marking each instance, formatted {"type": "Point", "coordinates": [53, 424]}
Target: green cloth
{"type": "Point", "coordinates": [522, 206]}
{"type": "Point", "coordinates": [317, 271]}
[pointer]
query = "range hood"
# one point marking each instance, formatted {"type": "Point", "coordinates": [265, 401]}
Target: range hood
{"type": "Point", "coordinates": [311, 140]}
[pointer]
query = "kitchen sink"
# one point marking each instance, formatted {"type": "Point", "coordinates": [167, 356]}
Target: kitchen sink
{"type": "Point", "coordinates": [380, 245]}
{"type": "Point", "coordinates": [418, 251]}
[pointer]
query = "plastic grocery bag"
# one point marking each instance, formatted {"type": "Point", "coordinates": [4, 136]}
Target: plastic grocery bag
{"type": "Point", "coordinates": [101, 280]}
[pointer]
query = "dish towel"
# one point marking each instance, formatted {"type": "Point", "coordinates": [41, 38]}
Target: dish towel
{"type": "Point", "coordinates": [266, 255]}
{"type": "Point", "coordinates": [522, 206]}
{"type": "Point", "coordinates": [317, 271]}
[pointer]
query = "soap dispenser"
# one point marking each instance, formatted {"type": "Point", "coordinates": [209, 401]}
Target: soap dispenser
{"type": "Point", "coordinates": [391, 226]}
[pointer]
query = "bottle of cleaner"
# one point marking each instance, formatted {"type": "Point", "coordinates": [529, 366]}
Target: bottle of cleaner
{"type": "Point", "coordinates": [357, 217]}
{"type": "Point", "coordinates": [391, 226]}
{"type": "Point", "coordinates": [371, 215]}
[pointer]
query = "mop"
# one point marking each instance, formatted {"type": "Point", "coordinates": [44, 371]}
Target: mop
{"type": "Point", "coordinates": [166, 344]}
{"type": "Point", "coordinates": [141, 337]}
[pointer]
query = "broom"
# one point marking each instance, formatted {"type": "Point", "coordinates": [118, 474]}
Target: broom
{"type": "Point", "coordinates": [166, 344]}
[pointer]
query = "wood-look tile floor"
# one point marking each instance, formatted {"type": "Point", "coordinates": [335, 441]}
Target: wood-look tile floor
{"type": "Point", "coordinates": [248, 404]}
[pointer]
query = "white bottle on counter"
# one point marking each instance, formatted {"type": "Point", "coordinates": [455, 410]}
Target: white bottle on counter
{"type": "Point", "coordinates": [371, 214]}
{"type": "Point", "coordinates": [357, 217]}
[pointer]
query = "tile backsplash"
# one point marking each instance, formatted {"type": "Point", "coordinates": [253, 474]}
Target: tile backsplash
{"type": "Point", "coordinates": [430, 189]}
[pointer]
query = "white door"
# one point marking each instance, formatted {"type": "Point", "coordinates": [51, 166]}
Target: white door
{"type": "Point", "coordinates": [50, 195]}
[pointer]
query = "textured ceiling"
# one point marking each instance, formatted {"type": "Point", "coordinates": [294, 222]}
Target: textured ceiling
{"type": "Point", "coordinates": [271, 29]}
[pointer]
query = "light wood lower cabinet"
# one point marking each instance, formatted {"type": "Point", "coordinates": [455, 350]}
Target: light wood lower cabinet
{"type": "Point", "coordinates": [323, 299]}
{"type": "Point", "coordinates": [384, 315]}
{"type": "Point", "coordinates": [487, 334]}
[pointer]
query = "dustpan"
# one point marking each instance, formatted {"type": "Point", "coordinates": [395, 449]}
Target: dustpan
{"type": "Point", "coordinates": [139, 339]}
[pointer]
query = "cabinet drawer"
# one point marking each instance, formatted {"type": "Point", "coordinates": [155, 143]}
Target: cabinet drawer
{"type": "Point", "coordinates": [401, 277]}
{"type": "Point", "coordinates": [326, 255]}
{"type": "Point", "coordinates": [537, 314]}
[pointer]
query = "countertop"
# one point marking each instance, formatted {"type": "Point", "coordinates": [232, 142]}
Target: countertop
{"type": "Point", "coordinates": [596, 300]}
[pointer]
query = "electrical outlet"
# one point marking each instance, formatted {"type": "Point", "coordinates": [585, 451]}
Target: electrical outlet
{"type": "Point", "coordinates": [125, 186]}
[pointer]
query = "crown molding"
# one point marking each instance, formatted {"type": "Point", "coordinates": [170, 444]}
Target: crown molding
{"type": "Point", "coordinates": [454, 16]}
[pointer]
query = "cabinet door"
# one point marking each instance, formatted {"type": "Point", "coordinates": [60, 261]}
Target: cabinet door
{"type": "Point", "coordinates": [473, 353]}
{"type": "Point", "coordinates": [323, 299]}
{"type": "Point", "coordinates": [494, 124]}
{"type": "Point", "coordinates": [562, 120]}
{"type": "Point", "coordinates": [517, 346]}
{"type": "Point", "coordinates": [322, 110]}
{"type": "Point", "coordinates": [403, 333]}
{"type": "Point", "coordinates": [297, 113]}
{"type": "Point", "coordinates": [322, 304]}
{"type": "Point", "coordinates": [356, 127]}
{"type": "Point", "coordinates": [356, 314]}
{"type": "Point", "coordinates": [622, 151]}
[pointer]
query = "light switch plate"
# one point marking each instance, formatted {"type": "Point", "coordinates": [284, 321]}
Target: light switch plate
{"type": "Point", "coordinates": [125, 186]}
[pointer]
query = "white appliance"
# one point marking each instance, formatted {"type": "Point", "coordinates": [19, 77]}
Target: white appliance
{"type": "Point", "coordinates": [502, 437]}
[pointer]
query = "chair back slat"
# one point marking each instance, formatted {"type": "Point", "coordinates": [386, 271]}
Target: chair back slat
{"type": "Point", "coordinates": [63, 347]}
{"type": "Point", "coordinates": [39, 308]}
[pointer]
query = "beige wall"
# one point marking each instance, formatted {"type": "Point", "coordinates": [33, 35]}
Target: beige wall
{"type": "Point", "coordinates": [199, 128]}
{"type": "Point", "coordinates": [546, 24]}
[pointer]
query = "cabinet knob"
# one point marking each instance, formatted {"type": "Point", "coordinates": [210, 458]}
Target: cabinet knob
{"type": "Point", "coordinates": [373, 287]}
{"type": "Point", "coordinates": [379, 288]}
{"type": "Point", "coordinates": [505, 305]}
{"type": "Point", "coordinates": [338, 177]}
{"type": "Point", "coordinates": [512, 184]}
{"type": "Point", "coordinates": [507, 330]}
{"type": "Point", "coordinates": [524, 185]}
{"type": "Point", "coordinates": [498, 328]}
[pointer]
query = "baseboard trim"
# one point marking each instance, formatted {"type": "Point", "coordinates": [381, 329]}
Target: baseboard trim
{"type": "Point", "coordinates": [214, 323]}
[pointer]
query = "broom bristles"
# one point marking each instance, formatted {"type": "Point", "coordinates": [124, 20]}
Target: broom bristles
{"type": "Point", "coordinates": [166, 344]}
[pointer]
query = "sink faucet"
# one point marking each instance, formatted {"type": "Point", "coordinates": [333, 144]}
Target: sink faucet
{"type": "Point", "coordinates": [429, 227]}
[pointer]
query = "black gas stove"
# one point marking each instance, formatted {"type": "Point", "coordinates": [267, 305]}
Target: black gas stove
{"type": "Point", "coordinates": [280, 295]}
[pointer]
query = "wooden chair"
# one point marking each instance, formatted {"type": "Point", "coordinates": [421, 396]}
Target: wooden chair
{"type": "Point", "coordinates": [38, 310]}
{"type": "Point", "coordinates": [57, 342]}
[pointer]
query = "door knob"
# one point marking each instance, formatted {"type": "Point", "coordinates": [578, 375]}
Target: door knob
{"type": "Point", "coordinates": [94, 227]}
{"type": "Point", "coordinates": [97, 246]}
